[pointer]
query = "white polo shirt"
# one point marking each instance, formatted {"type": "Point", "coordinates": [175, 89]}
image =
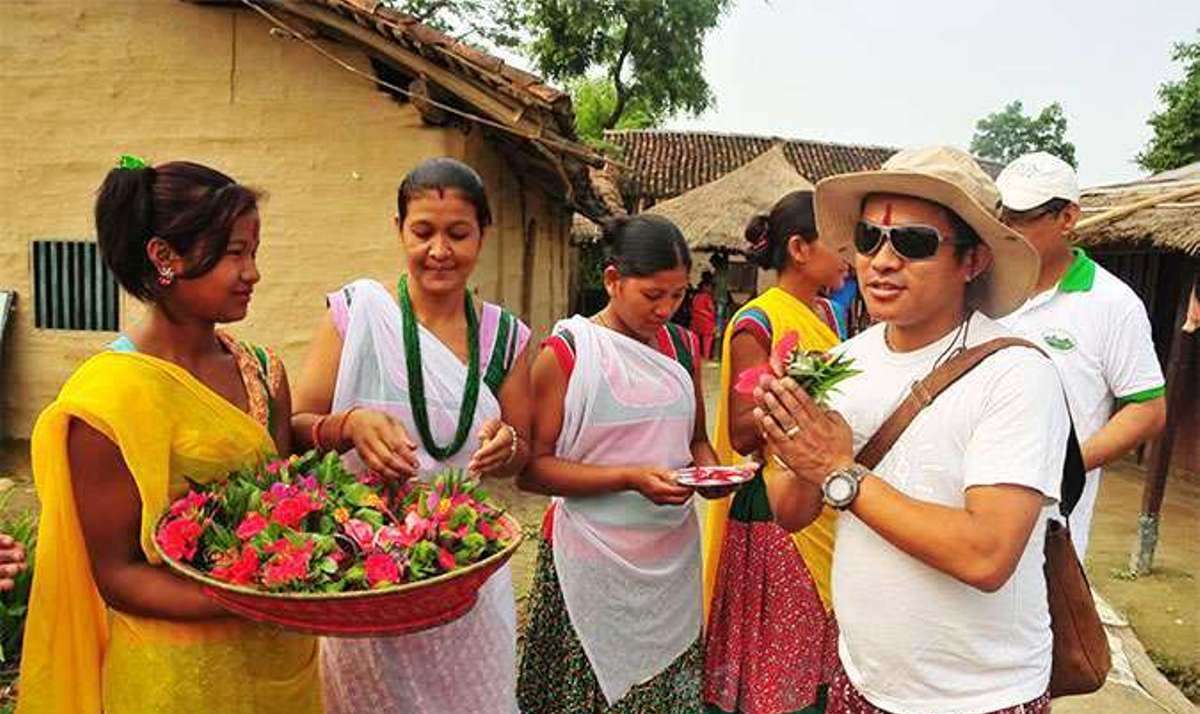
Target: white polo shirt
{"type": "Point", "coordinates": [1095, 329]}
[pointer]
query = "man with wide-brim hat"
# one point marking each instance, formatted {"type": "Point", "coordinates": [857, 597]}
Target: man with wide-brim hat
{"type": "Point", "coordinates": [938, 587]}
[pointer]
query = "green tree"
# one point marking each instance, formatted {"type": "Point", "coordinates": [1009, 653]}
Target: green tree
{"type": "Point", "coordinates": [651, 52]}
{"type": "Point", "coordinates": [595, 99]}
{"type": "Point", "coordinates": [1009, 133]}
{"type": "Point", "coordinates": [1176, 140]}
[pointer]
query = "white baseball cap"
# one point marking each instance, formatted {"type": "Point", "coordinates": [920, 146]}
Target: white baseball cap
{"type": "Point", "coordinates": [1033, 179]}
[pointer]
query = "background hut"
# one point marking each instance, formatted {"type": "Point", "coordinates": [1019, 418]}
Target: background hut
{"type": "Point", "coordinates": [1156, 250]}
{"type": "Point", "coordinates": [1148, 233]}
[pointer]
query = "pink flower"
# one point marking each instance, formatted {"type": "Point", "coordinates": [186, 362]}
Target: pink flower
{"type": "Point", "coordinates": [748, 379]}
{"type": "Point", "coordinates": [277, 492]}
{"type": "Point", "coordinates": [446, 559]}
{"type": "Point", "coordinates": [292, 509]}
{"type": "Point", "coordinates": [785, 346]}
{"type": "Point", "coordinates": [251, 525]}
{"type": "Point", "coordinates": [178, 538]}
{"type": "Point", "coordinates": [308, 483]}
{"type": "Point", "coordinates": [191, 503]}
{"type": "Point", "coordinates": [360, 532]}
{"type": "Point", "coordinates": [369, 478]}
{"type": "Point", "coordinates": [416, 527]}
{"type": "Point", "coordinates": [241, 571]}
{"type": "Point", "coordinates": [275, 466]}
{"type": "Point", "coordinates": [381, 569]}
{"type": "Point", "coordinates": [389, 536]}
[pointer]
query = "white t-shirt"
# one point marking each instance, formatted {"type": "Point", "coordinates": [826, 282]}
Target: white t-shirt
{"type": "Point", "coordinates": [1095, 329]}
{"type": "Point", "coordinates": [913, 639]}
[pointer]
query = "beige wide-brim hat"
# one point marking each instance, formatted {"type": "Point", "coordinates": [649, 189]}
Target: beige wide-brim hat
{"type": "Point", "coordinates": [950, 177]}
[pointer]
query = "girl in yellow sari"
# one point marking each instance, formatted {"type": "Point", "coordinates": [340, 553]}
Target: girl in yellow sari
{"type": "Point", "coordinates": [767, 591]}
{"type": "Point", "coordinates": [109, 629]}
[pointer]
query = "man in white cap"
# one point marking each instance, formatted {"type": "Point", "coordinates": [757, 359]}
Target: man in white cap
{"type": "Point", "coordinates": [1093, 326]}
{"type": "Point", "coordinates": [938, 587]}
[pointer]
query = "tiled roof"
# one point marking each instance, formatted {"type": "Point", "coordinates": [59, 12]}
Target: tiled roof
{"type": "Point", "coordinates": [478, 82]}
{"type": "Point", "coordinates": [439, 47]}
{"type": "Point", "coordinates": [665, 164]}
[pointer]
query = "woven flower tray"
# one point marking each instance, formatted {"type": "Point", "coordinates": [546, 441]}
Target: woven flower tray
{"type": "Point", "coordinates": [389, 611]}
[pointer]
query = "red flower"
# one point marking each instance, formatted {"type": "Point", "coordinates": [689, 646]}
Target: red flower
{"type": "Point", "coordinates": [381, 569]}
{"type": "Point", "coordinates": [178, 538]}
{"type": "Point", "coordinates": [292, 509]}
{"type": "Point", "coordinates": [290, 563]}
{"type": "Point", "coordinates": [446, 559]}
{"type": "Point", "coordinates": [251, 525]}
{"type": "Point", "coordinates": [485, 529]}
{"type": "Point", "coordinates": [192, 503]}
{"type": "Point", "coordinates": [241, 571]}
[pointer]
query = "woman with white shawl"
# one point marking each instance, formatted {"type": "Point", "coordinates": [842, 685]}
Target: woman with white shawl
{"type": "Point", "coordinates": [409, 383]}
{"type": "Point", "coordinates": [615, 610]}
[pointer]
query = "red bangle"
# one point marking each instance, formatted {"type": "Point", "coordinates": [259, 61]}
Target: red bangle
{"type": "Point", "coordinates": [316, 432]}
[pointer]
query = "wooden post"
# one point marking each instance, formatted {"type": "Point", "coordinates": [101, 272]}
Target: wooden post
{"type": "Point", "coordinates": [1180, 365]}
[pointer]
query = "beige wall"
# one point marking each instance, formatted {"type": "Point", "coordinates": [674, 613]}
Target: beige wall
{"type": "Point", "coordinates": [86, 80]}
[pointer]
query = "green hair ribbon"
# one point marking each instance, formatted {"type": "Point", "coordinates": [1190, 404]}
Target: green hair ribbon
{"type": "Point", "coordinates": [129, 161]}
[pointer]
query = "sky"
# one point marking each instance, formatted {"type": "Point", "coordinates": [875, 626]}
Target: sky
{"type": "Point", "coordinates": [919, 72]}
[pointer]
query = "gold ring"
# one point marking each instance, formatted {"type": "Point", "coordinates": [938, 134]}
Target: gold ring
{"type": "Point", "coordinates": [790, 433]}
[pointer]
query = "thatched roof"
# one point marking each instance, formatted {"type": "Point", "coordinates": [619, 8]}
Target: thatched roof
{"type": "Point", "coordinates": [434, 66]}
{"type": "Point", "coordinates": [714, 216]}
{"type": "Point", "coordinates": [1174, 225]}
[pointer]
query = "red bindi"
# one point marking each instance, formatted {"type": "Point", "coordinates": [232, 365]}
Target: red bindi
{"type": "Point", "coordinates": [887, 214]}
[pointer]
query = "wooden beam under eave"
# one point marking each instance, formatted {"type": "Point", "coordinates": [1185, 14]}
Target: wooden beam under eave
{"type": "Point", "coordinates": [488, 104]}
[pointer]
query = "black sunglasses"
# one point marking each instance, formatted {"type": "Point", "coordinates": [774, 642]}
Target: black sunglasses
{"type": "Point", "coordinates": [911, 242]}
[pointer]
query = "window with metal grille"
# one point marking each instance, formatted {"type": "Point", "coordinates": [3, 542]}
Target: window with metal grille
{"type": "Point", "coordinates": [72, 287]}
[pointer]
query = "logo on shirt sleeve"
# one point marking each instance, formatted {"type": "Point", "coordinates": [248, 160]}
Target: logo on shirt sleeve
{"type": "Point", "coordinates": [1060, 340]}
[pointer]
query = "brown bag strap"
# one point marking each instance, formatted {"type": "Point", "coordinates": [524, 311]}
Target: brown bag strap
{"type": "Point", "coordinates": [925, 391]}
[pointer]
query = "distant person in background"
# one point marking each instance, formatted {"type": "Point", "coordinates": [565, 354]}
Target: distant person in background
{"type": "Point", "coordinates": [683, 316]}
{"type": "Point", "coordinates": [704, 314]}
{"type": "Point", "coordinates": [842, 301]}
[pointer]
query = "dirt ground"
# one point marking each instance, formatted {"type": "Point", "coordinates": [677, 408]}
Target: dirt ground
{"type": "Point", "coordinates": [1164, 607]}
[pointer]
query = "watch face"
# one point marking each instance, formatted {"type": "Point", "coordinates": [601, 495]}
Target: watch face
{"type": "Point", "coordinates": [839, 488]}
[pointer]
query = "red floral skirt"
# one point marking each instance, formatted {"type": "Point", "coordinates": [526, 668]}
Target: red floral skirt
{"type": "Point", "coordinates": [768, 648]}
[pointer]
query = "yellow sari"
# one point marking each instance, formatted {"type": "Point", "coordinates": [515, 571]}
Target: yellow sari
{"type": "Point", "coordinates": [815, 543]}
{"type": "Point", "coordinates": [81, 657]}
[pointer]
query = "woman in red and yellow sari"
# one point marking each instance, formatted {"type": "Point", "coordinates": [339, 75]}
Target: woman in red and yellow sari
{"type": "Point", "coordinates": [174, 399]}
{"type": "Point", "coordinates": [766, 590]}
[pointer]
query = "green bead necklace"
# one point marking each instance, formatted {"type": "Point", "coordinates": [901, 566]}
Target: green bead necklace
{"type": "Point", "coordinates": [416, 378]}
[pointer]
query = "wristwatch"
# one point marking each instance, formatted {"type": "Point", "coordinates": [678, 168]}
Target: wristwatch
{"type": "Point", "coordinates": [841, 486]}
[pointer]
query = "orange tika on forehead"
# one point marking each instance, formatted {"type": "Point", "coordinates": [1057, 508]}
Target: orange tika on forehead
{"type": "Point", "coordinates": [887, 214]}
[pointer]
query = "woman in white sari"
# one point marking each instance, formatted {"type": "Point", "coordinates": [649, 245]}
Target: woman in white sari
{"type": "Point", "coordinates": [615, 611]}
{"type": "Point", "coordinates": [409, 383]}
